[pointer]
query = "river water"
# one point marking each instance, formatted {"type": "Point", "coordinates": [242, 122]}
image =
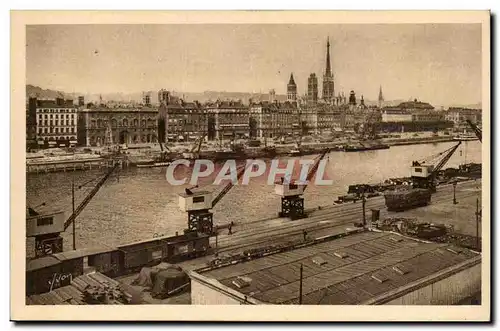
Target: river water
{"type": "Point", "coordinates": [136, 203]}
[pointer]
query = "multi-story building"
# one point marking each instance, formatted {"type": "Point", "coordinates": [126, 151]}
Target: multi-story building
{"type": "Point", "coordinates": [460, 115]}
{"type": "Point", "coordinates": [395, 114]}
{"type": "Point", "coordinates": [55, 121]}
{"type": "Point", "coordinates": [415, 105]}
{"type": "Point", "coordinates": [274, 119]}
{"type": "Point", "coordinates": [100, 125]}
{"type": "Point", "coordinates": [227, 120]}
{"type": "Point", "coordinates": [427, 116]}
{"type": "Point", "coordinates": [312, 89]}
{"type": "Point", "coordinates": [185, 121]}
{"type": "Point", "coordinates": [31, 124]}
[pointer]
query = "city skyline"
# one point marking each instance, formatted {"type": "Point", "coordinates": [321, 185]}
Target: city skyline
{"type": "Point", "coordinates": [438, 63]}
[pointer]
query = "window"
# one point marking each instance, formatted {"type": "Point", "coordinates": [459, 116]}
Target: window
{"type": "Point", "coordinates": [198, 199]}
{"type": "Point", "coordinates": [41, 221]}
{"type": "Point", "coordinates": [57, 130]}
{"type": "Point", "coordinates": [40, 131]}
{"type": "Point", "coordinates": [418, 169]}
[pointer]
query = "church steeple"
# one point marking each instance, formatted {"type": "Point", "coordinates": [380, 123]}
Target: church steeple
{"type": "Point", "coordinates": [291, 90]}
{"type": "Point", "coordinates": [328, 68]}
{"type": "Point", "coordinates": [380, 97]}
{"type": "Point", "coordinates": [328, 83]}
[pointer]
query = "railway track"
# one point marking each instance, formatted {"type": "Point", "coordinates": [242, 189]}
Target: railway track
{"type": "Point", "coordinates": [326, 219]}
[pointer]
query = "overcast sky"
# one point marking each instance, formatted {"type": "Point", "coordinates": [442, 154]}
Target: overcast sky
{"type": "Point", "coordinates": [436, 63]}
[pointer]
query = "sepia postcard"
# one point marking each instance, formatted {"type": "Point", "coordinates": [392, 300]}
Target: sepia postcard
{"type": "Point", "coordinates": [315, 165]}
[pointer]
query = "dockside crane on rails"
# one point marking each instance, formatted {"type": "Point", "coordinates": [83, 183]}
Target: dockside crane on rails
{"type": "Point", "coordinates": [423, 179]}
{"type": "Point", "coordinates": [292, 202]}
{"type": "Point", "coordinates": [198, 205]}
{"type": "Point", "coordinates": [423, 173]}
{"type": "Point", "coordinates": [47, 227]}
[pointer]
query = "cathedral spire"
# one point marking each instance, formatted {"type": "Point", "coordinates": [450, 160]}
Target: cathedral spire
{"type": "Point", "coordinates": [328, 68]}
{"type": "Point", "coordinates": [380, 97]}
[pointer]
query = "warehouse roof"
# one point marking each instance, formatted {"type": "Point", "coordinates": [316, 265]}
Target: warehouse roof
{"type": "Point", "coordinates": [348, 270]}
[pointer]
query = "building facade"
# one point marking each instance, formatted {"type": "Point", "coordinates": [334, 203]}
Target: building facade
{"type": "Point", "coordinates": [227, 120]}
{"type": "Point", "coordinates": [396, 115]}
{"type": "Point", "coordinates": [56, 122]}
{"type": "Point", "coordinates": [99, 126]}
{"type": "Point", "coordinates": [459, 116]}
{"type": "Point", "coordinates": [273, 119]}
{"type": "Point", "coordinates": [179, 120]}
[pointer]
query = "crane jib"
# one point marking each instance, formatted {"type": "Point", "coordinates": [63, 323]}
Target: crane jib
{"type": "Point", "coordinates": [228, 187]}
{"type": "Point", "coordinates": [313, 170]}
{"type": "Point", "coordinates": [89, 197]}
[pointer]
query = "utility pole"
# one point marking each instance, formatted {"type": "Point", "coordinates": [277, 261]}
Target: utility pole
{"type": "Point", "coordinates": [300, 288]}
{"type": "Point", "coordinates": [454, 196]}
{"type": "Point", "coordinates": [478, 214]}
{"type": "Point", "coordinates": [73, 204]}
{"type": "Point", "coordinates": [363, 200]}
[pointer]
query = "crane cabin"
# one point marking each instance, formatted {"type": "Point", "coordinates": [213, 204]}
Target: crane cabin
{"type": "Point", "coordinates": [284, 189]}
{"type": "Point", "coordinates": [190, 201]}
{"type": "Point", "coordinates": [197, 205]}
{"type": "Point", "coordinates": [46, 229]}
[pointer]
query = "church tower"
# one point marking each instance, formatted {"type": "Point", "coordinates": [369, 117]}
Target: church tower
{"type": "Point", "coordinates": [291, 90]}
{"type": "Point", "coordinates": [328, 83]}
{"type": "Point", "coordinates": [380, 97]}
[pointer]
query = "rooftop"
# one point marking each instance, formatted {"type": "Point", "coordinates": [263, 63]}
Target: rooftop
{"type": "Point", "coordinates": [349, 270]}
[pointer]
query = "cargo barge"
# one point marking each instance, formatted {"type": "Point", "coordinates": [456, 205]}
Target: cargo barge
{"type": "Point", "coordinates": [405, 199]}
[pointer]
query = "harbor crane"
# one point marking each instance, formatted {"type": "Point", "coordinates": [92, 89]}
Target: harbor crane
{"type": "Point", "coordinates": [47, 227]}
{"type": "Point", "coordinates": [292, 202]}
{"type": "Point", "coordinates": [194, 153]}
{"type": "Point", "coordinates": [423, 173]}
{"type": "Point", "coordinates": [477, 130]}
{"type": "Point", "coordinates": [423, 178]}
{"type": "Point", "coordinates": [198, 205]}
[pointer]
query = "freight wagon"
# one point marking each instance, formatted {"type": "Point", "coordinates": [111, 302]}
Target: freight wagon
{"type": "Point", "coordinates": [46, 273]}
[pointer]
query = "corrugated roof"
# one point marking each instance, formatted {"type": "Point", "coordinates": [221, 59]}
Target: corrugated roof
{"type": "Point", "coordinates": [348, 280]}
